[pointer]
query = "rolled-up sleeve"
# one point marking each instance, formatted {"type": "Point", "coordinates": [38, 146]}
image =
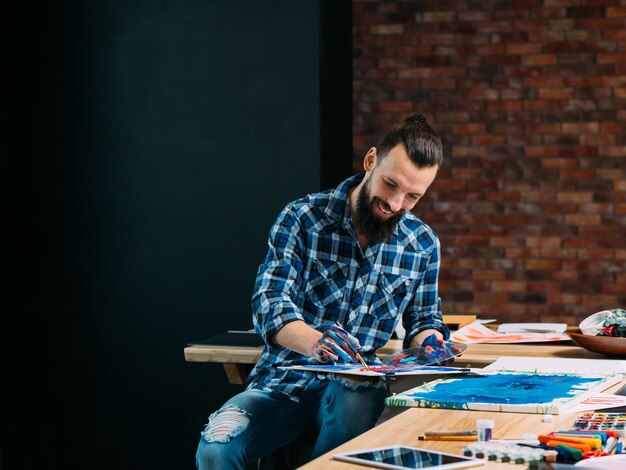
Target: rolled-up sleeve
{"type": "Point", "coordinates": [424, 311]}
{"type": "Point", "coordinates": [278, 277]}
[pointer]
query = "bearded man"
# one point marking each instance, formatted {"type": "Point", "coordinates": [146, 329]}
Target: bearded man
{"type": "Point", "coordinates": [344, 267]}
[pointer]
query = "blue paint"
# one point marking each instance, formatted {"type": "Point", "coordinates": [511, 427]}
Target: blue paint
{"type": "Point", "coordinates": [508, 389]}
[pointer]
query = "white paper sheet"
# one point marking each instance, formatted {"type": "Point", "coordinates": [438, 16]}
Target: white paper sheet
{"type": "Point", "coordinates": [599, 402]}
{"type": "Point", "coordinates": [562, 365]}
{"type": "Point", "coordinates": [476, 332]}
{"type": "Point", "coordinates": [532, 328]}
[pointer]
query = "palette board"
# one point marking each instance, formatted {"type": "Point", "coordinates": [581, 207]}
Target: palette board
{"type": "Point", "coordinates": [510, 391]}
{"type": "Point", "coordinates": [379, 371]}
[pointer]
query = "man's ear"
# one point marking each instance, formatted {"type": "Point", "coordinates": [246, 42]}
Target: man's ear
{"type": "Point", "coordinates": [369, 162]}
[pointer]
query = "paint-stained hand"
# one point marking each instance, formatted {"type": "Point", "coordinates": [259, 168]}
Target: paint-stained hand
{"type": "Point", "coordinates": [433, 345]}
{"type": "Point", "coordinates": [337, 343]}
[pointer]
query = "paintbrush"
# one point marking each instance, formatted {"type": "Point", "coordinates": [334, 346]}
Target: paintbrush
{"type": "Point", "coordinates": [357, 355]}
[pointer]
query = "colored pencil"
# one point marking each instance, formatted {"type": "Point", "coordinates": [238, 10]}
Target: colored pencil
{"type": "Point", "coordinates": [443, 432]}
{"type": "Point", "coordinates": [448, 438]}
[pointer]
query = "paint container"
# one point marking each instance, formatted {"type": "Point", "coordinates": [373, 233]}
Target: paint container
{"type": "Point", "coordinates": [551, 455]}
{"type": "Point", "coordinates": [485, 429]}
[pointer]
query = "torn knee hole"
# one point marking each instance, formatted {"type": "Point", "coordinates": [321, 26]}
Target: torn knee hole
{"type": "Point", "coordinates": [225, 424]}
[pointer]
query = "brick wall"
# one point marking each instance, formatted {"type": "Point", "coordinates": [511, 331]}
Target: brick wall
{"type": "Point", "coordinates": [529, 97]}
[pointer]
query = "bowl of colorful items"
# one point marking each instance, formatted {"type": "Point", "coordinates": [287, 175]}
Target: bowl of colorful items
{"type": "Point", "coordinates": [603, 332]}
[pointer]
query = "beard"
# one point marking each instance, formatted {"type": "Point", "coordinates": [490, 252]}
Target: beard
{"type": "Point", "coordinates": [367, 223]}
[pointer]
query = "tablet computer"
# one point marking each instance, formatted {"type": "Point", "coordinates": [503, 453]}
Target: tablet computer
{"type": "Point", "coordinates": [407, 458]}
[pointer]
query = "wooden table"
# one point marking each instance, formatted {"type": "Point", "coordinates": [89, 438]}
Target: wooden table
{"type": "Point", "coordinates": [238, 360]}
{"type": "Point", "coordinates": [405, 428]}
{"type": "Point", "coordinates": [408, 425]}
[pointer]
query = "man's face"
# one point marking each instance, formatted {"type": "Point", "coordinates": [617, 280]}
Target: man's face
{"type": "Point", "coordinates": [389, 190]}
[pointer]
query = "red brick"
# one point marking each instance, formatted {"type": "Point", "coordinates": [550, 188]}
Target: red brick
{"type": "Point", "coordinates": [542, 264]}
{"type": "Point", "coordinates": [555, 93]}
{"type": "Point", "coordinates": [482, 94]}
{"type": "Point", "coordinates": [561, 24]}
{"type": "Point", "coordinates": [438, 16]}
{"type": "Point", "coordinates": [580, 127]}
{"type": "Point", "coordinates": [616, 12]}
{"type": "Point", "coordinates": [415, 73]}
{"type": "Point", "coordinates": [613, 35]}
{"type": "Point", "coordinates": [596, 231]}
{"type": "Point", "coordinates": [542, 82]}
{"type": "Point", "coordinates": [541, 151]}
{"type": "Point", "coordinates": [616, 288]}
{"type": "Point", "coordinates": [562, 163]}
{"type": "Point", "coordinates": [546, 286]}
{"type": "Point", "coordinates": [488, 140]}
{"type": "Point", "coordinates": [523, 48]}
{"type": "Point", "coordinates": [396, 107]}
{"type": "Point", "coordinates": [488, 275]}
{"type": "Point", "coordinates": [579, 174]}
{"type": "Point", "coordinates": [577, 219]}
{"type": "Point", "coordinates": [387, 29]}
{"type": "Point", "coordinates": [577, 197]}
{"type": "Point", "coordinates": [603, 24]}
{"type": "Point", "coordinates": [539, 59]}
{"type": "Point", "coordinates": [414, 50]}
{"type": "Point", "coordinates": [504, 105]}
{"type": "Point", "coordinates": [491, 298]}
{"type": "Point", "coordinates": [612, 151]}
{"type": "Point", "coordinates": [611, 58]}
{"type": "Point", "coordinates": [455, 72]}
{"type": "Point", "coordinates": [508, 286]}
{"type": "Point", "coordinates": [563, 298]}
{"type": "Point", "coordinates": [584, 81]}
{"type": "Point", "coordinates": [478, 128]}
{"type": "Point", "coordinates": [597, 139]}
{"type": "Point", "coordinates": [438, 83]}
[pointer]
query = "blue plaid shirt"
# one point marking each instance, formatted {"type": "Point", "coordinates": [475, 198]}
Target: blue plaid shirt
{"type": "Point", "coordinates": [316, 271]}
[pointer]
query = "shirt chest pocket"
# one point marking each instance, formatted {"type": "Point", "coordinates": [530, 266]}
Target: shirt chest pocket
{"type": "Point", "coordinates": [326, 282]}
{"type": "Point", "coordinates": [391, 296]}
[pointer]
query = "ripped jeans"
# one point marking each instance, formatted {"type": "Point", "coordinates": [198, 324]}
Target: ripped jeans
{"type": "Point", "coordinates": [254, 423]}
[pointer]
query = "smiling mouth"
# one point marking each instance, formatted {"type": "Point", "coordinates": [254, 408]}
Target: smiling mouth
{"type": "Point", "coordinates": [384, 208]}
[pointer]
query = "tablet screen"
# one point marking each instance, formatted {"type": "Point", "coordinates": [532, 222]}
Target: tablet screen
{"type": "Point", "coordinates": [403, 458]}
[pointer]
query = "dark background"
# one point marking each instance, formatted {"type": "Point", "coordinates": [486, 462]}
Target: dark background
{"type": "Point", "coordinates": [148, 148]}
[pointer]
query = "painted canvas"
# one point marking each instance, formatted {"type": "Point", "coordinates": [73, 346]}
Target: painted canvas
{"type": "Point", "coordinates": [510, 391]}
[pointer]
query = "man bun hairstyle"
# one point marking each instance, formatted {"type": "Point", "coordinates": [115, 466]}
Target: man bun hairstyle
{"type": "Point", "coordinates": [420, 141]}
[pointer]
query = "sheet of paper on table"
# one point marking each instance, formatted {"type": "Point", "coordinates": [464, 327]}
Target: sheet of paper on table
{"type": "Point", "coordinates": [476, 332]}
{"type": "Point", "coordinates": [532, 328]}
{"type": "Point", "coordinates": [559, 365]}
{"type": "Point", "coordinates": [598, 402]}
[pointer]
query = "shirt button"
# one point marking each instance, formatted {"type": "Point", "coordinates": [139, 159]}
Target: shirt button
{"type": "Point", "coordinates": [407, 282]}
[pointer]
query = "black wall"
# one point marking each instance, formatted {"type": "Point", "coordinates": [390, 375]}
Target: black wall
{"type": "Point", "coordinates": [150, 146]}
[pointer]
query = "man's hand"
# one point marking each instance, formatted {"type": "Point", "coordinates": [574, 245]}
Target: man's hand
{"type": "Point", "coordinates": [432, 344]}
{"type": "Point", "coordinates": [337, 343]}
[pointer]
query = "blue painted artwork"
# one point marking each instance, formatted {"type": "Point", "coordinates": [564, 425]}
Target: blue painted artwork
{"type": "Point", "coordinates": [504, 391]}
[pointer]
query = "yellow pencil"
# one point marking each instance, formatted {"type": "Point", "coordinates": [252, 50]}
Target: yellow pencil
{"type": "Point", "coordinates": [448, 438]}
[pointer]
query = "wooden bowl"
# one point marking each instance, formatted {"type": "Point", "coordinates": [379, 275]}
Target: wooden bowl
{"type": "Point", "coordinates": [607, 345]}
